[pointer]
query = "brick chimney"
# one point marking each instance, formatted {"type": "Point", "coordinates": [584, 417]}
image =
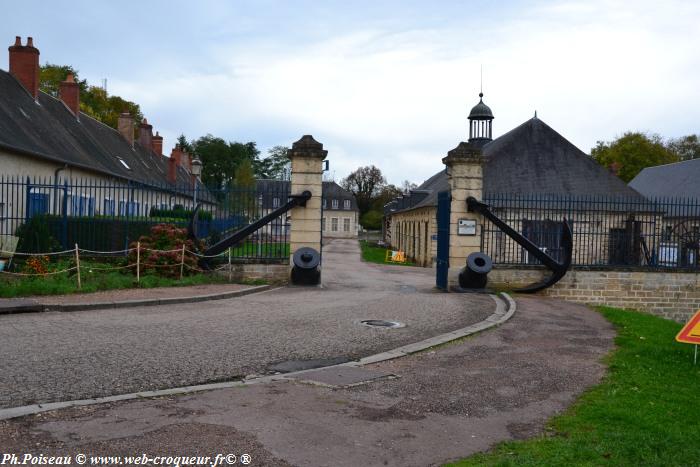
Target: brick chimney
{"type": "Point", "coordinates": [157, 144]}
{"type": "Point", "coordinates": [177, 154]}
{"type": "Point", "coordinates": [24, 65]}
{"type": "Point", "coordinates": [145, 134]}
{"type": "Point", "coordinates": [125, 125]}
{"type": "Point", "coordinates": [69, 93]}
{"type": "Point", "coordinates": [173, 163]}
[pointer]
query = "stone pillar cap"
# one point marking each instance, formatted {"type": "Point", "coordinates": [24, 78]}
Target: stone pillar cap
{"type": "Point", "coordinates": [464, 152]}
{"type": "Point", "coordinates": [307, 146]}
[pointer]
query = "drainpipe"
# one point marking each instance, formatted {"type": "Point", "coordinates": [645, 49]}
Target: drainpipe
{"type": "Point", "coordinates": [55, 186]}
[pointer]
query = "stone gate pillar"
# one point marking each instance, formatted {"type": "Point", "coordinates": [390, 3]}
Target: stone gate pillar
{"type": "Point", "coordinates": [307, 157]}
{"type": "Point", "coordinates": [465, 177]}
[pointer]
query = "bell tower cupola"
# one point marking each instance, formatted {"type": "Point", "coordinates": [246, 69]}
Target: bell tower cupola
{"type": "Point", "coordinates": [480, 119]}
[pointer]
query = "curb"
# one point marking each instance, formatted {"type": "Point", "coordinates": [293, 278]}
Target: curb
{"type": "Point", "coordinates": [28, 306]}
{"type": "Point", "coordinates": [498, 317]}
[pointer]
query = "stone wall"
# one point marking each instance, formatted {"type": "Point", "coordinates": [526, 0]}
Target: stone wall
{"type": "Point", "coordinates": [272, 273]}
{"type": "Point", "coordinates": [673, 295]}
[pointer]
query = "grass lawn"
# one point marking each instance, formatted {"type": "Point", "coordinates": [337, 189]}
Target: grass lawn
{"type": "Point", "coordinates": [645, 412]}
{"type": "Point", "coordinates": [375, 254]}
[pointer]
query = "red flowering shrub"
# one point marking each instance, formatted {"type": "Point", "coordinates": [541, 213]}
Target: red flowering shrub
{"type": "Point", "coordinates": [36, 265]}
{"type": "Point", "coordinates": [161, 251]}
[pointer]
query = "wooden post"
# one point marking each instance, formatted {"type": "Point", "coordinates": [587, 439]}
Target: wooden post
{"type": "Point", "coordinates": [77, 264]}
{"type": "Point", "coordinates": [182, 261]}
{"type": "Point", "coordinates": [138, 262]}
{"type": "Point", "coordinates": [229, 264]}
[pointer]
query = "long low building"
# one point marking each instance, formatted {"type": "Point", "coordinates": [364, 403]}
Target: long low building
{"type": "Point", "coordinates": [48, 138]}
{"type": "Point", "coordinates": [531, 159]}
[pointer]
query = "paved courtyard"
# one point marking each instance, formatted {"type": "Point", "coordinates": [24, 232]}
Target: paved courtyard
{"type": "Point", "coordinates": [64, 356]}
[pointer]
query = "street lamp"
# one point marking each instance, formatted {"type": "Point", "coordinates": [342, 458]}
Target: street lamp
{"type": "Point", "coordinates": [196, 170]}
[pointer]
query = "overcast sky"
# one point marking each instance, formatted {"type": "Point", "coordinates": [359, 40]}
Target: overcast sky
{"type": "Point", "coordinates": [380, 82]}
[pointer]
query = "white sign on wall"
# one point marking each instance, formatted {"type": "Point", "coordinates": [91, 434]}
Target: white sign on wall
{"type": "Point", "coordinates": [466, 227]}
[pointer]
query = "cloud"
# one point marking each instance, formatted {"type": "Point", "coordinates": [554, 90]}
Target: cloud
{"type": "Point", "coordinates": [397, 96]}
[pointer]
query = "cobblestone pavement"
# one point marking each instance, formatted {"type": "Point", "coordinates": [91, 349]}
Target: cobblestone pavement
{"type": "Point", "coordinates": [64, 356]}
{"type": "Point", "coordinates": [445, 404]}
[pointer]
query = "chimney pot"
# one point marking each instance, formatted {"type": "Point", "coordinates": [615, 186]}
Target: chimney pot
{"type": "Point", "coordinates": [18, 41]}
{"type": "Point", "coordinates": [30, 42]}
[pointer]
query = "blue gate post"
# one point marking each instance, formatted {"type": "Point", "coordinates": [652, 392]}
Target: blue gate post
{"type": "Point", "coordinates": [443, 240]}
{"type": "Point", "coordinates": [27, 201]}
{"type": "Point", "coordinates": [465, 178]}
{"type": "Point", "coordinates": [64, 217]}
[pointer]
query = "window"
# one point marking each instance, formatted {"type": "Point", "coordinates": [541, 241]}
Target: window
{"type": "Point", "coordinates": [38, 203]}
{"type": "Point", "coordinates": [334, 224]}
{"type": "Point", "coordinates": [346, 204]}
{"type": "Point", "coordinates": [323, 224]}
{"type": "Point", "coordinates": [108, 207]}
{"type": "Point", "coordinates": [324, 203]}
{"type": "Point", "coordinates": [2, 211]}
{"type": "Point", "coordinates": [335, 204]}
{"type": "Point", "coordinates": [275, 202]}
{"type": "Point", "coordinates": [346, 225]}
{"type": "Point", "coordinates": [547, 236]}
{"type": "Point", "coordinates": [130, 208]}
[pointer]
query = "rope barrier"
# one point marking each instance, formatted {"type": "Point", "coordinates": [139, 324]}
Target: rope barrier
{"type": "Point", "coordinates": [204, 256]}
{"type": "Point", "coordinates": [15, 253]}
{"type": "Point", "coordinates": [91, 268]}
{"type": "Point", "coordinates": [107, 252]}
{"type": "Point", "coordinates": [39, 274]}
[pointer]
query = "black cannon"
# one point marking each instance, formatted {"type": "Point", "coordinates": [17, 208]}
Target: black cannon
{"type": "Point", "coordinates": [474, 274]}
{"type": "Point", "coordinates": [305, 269]}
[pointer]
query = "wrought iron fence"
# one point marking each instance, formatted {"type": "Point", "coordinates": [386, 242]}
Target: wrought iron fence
{"type": "Point", "coordinates": [608, 232]}
{"type": "Point", "coordinates": [47, 214]}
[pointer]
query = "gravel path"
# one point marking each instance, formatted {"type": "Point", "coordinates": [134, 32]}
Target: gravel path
{"type": "Point", "coordinates": [64, 356]}
{"type": "Point", "coordinates": [445, 404]}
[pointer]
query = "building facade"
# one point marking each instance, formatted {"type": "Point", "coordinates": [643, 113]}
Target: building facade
{"type": "Point", "coordinates": [340, 214]}
{"type": "Point", "coordinates": [48, 143]}
{"type": "Point", "coordinates": [531, 159]}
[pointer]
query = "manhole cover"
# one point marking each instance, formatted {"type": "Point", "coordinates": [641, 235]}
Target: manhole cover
{"type": "Point", "coordinates": [381, 323]}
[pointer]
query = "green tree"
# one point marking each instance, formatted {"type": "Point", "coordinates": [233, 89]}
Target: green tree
{"type": "Point", "coordinates": [51, 76]}
{"type": "Point", "coordinates": [185, 145]}
{"type": "Point", "coordinates": [632, 152]}
{"type": "Point", "coordinates": [275, 166]}
{"type": "Point", "coordinates": [685, 147]}
{"type": "Point", "coordinates": [221, 159]}
{"type": "Point", "coordinates": [94, 100]}
{"type": "Point", "coordinates": [386, 194]}
{"type": "Point", "coordinates": [372, 220]}
{"type": "Point", "coordinates": [365, 183]}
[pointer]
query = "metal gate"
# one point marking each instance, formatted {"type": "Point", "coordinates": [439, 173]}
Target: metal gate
{"type": "Point", "coordinates": [443, 239]}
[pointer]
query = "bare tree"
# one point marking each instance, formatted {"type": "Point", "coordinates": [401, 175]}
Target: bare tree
{"type": "Point", "coordinates": [365, 183]}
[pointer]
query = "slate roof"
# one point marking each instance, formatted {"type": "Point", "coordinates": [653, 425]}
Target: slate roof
{"type": "Point", "coordinates": [280, 188]}
{"type": "Point", "coordinates": [677, 180]}
{"type": "Point", "coordinates": [534, 159]}
{"type": "Point", "coordinates": [48, 130]}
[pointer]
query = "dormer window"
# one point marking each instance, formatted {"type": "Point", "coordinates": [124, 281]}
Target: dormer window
{"type": "Point", "coordinates": [334, 204]}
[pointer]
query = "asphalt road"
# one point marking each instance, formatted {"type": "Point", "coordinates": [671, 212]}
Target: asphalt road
{"type": "Point", "coordinates": [49, 357]}
{"type": "Point", "coordinates": [444, 404]}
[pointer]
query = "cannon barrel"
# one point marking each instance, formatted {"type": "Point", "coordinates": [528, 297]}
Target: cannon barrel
{"type": "Point", "coordinates": [474, 274]}
{"type": "Point", "coordinates": [305, 266]}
